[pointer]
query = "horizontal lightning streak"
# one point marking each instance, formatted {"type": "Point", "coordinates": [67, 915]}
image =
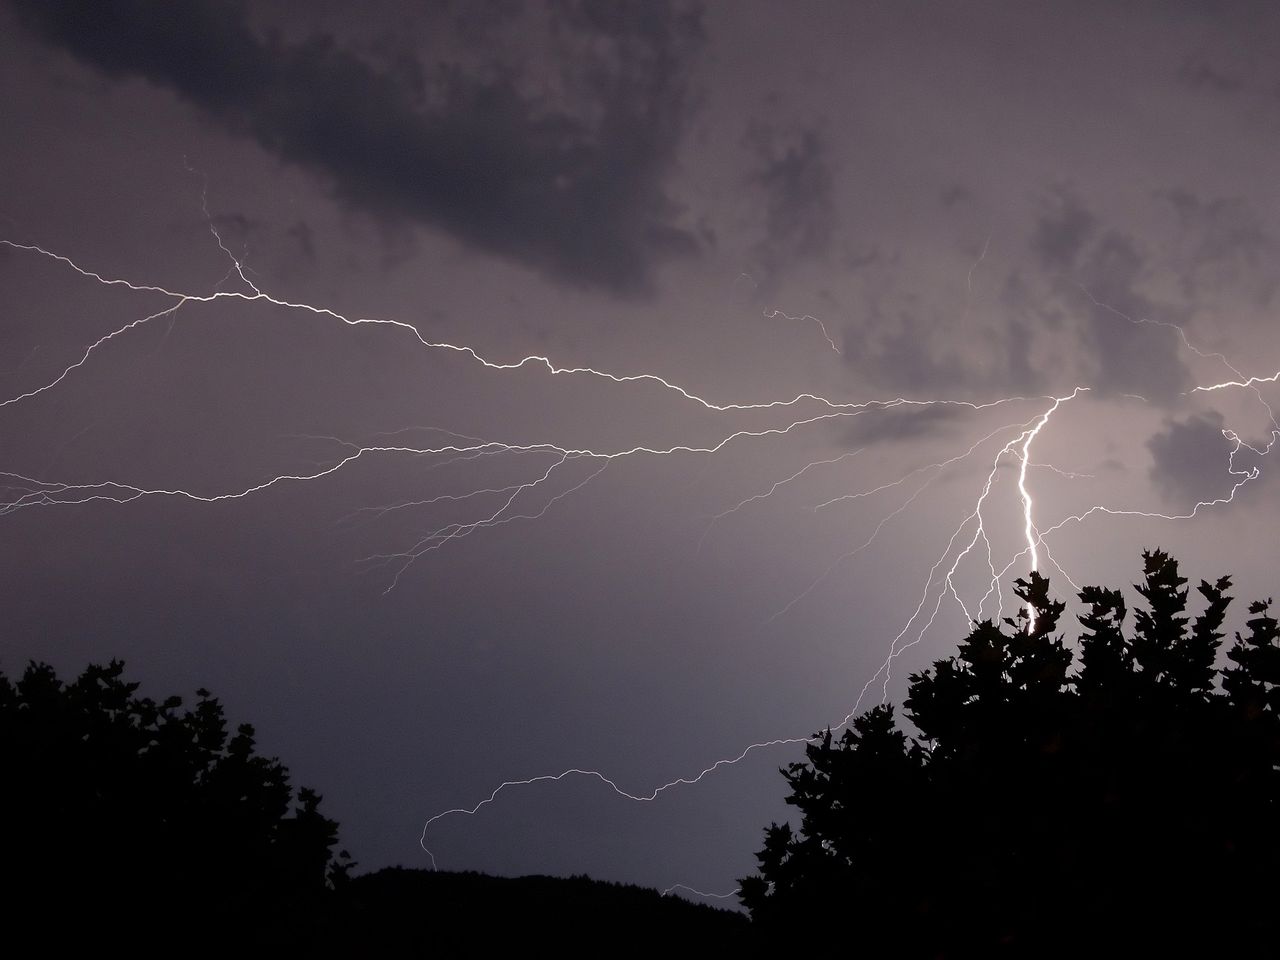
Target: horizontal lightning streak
{"type": "Point", "coordinates": [134, 492]}
{"type": "Point", "coordinates": [773, 489]}
{"type": "Point", "coordinates": [530, 360]}
{"type": "Point", "coordinates": [749, 749]}
{"type": "Point", "coordinates": [22, 491]}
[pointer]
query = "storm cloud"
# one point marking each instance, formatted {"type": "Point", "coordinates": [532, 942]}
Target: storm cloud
{"type": "Point", "coordinates": [1222, 244]}
{"type": "Point", "coordinates": [1100, 271]}
{"type": "Point", "coordinates": [795, 181]}
{"type": "Point", "coordinates": [1189, 459]}
{"type": "Point", "coordinates": [898, 424]}
{"type": "Point", "coordinates": [573, 190]}
{"type": "Point", "coordinates": [649, 190]}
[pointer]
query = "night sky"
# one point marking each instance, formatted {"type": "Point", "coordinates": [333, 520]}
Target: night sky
{"type": "Point", "coordinates": [820, 268]}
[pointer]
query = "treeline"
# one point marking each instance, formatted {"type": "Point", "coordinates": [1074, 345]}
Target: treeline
{"type": "Point", "coordinates": [1118, 797]}
{"type": "Point", "coordinates": [136, 824]}
{"type": "Point", "coordinates": [1045, 802]}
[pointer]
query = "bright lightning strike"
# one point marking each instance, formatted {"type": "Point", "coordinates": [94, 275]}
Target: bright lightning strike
{"type": "Point", "coordinates": [517, 501]}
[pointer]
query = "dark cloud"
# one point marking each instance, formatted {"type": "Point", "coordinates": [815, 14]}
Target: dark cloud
{"type": "Point", "coordinates": [794, 176]}
{"type": "Point", "coordinates": [1062, 232]}
{"type": "Point", "coordinates": [954, 194]}
{"type": "Point", "coordinates": [1101, 270]}
{"type": "Point", "coordinates": [1197, 73]}
{"type": "Point", "coordinates": [555, 135]}
{"type": "Point", "coordinates": [906, 357]}
{"type": "Point", "coordinates": [1017, 343]}
{"type": "Point", "coordinates": [1096, 277]}
{"type": "Point", "coordinates": [1189, 458]}
{"type": "Point", "coordinates": [908, 347]}
{"type": "Point", "coordinates": [1114, 465]}
{"type": "Point", "coordinates": [302, 235]}
{"type": "Point", "coordinates": [1130, 356]}
{"type": "Point", "coordinates": [898, 423]}
{"type": "Point", "coordinates": [1220, 242]}
{"type": "Point", "coordinates": [569, 183]}
{"type": "Point", "coordinates": [915, 352]}
{"type": "Point", "coordinates": [1226, 227]}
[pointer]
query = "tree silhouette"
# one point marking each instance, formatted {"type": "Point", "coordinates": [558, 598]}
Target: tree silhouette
{"type": "Point", "coordinates": [1039, 809]}
{"type": "Point", "coordinates": [134, 821]}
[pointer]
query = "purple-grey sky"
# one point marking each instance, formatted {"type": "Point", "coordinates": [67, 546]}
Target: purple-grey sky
{"type": "Point", "coordinates": [866, 209]}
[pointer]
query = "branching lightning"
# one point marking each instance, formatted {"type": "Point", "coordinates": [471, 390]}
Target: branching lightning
{"type": "Point", "coordinates": [774, 314]}
{"type": "Point", "coordinates": [558, 476]}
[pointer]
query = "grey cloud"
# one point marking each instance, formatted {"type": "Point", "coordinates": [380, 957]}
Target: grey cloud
{"type": "Point", "coordinates": [903, 357]}
{"type": "Point", "coordinates": [897, 424]}
{"type": "Point", "coordinates": [906, 351]}
{"type": "Point", "coordinates": [1197, 73]}
{"type": "Point", "coordinates": [1062, 232]}
{"type": "Point", "coordinates": [906, 346]}
{"type": "Point", "coordinates": [303, 236]}
{"type": "Point", "coordinates": [572, 185]}
{"type": "Point", "coordinates": [955, 193]}
{"type": "Point", "coordinates": [1095, 276]}
{"type": "Point", "coordinates": [794, 176]}
{"type": "Point", "coordinates": [1220, 241]}
{"type": "Point", "coordinates": [1131, 356]}
{"type": "Point", "coordinates": [1078, 254]}
{"type": "Point", "coordinates": [1226, 226]}
{"type": "Point", "coordinates": [1189, 458]}
{"type": "Point", "coordinates": [1018, 341]}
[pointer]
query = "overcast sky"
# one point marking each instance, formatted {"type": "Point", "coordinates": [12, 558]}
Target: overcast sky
{"type": "Point", "coordinates": [927, 222]}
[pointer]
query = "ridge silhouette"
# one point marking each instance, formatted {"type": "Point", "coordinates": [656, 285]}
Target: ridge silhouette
{"type": "Point", "coordinates": [1038, 810]}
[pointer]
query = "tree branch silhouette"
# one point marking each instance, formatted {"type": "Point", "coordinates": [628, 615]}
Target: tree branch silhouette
{"type": "Point", "coordinates": [126, 814]}
{"type": "Point", "coordinates": [1038, 808]}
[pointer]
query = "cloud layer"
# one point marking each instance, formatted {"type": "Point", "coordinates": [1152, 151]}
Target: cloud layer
{"type": "Point", "coordinates": [571, 185]}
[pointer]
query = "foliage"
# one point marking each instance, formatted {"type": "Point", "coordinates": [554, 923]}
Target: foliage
{"type": "Point", "coordinates": [125, 814]}
{"type": "Point", "coordinates": [397, 912]}
{"type": "Point", "coordinates": [1038, 808]}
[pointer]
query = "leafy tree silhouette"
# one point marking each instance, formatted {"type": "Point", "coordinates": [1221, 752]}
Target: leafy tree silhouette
{"type": "Point", "coordinates": [132, 821]}
{"type": "Point", "coordinates": [1038, 810]}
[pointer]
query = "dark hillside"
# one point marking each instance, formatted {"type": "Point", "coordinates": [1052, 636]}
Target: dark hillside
{"type": "Point", "coordinates": [463, 913]}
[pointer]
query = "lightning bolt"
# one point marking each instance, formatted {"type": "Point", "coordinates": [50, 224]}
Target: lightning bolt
{"type": "Point", "coordinates": [518, 501]}
{"type": "Point", "coordinates": [774, 314]}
